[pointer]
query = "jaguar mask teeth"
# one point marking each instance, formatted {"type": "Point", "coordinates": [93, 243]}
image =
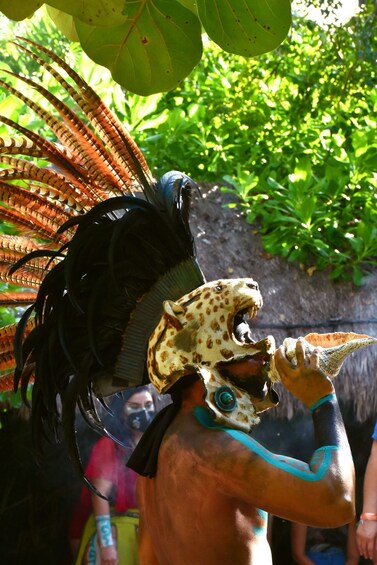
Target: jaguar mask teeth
{"type": "Point", "coordinates": [241, 329]}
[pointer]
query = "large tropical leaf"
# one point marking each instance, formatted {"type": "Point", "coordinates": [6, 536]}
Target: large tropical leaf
{"type": "Point", "coordinates": [246, 27]}
{"type": "Point", "coordinates": [19, 9]}
{"type": "Point", "coordinates": [94, 12]}
{"type": "Point", "coordinates": [151, 45]}
{"type": "Point", "coordinates": [64, 22]}
{"type": "Point", "coordinates": [158, 45]}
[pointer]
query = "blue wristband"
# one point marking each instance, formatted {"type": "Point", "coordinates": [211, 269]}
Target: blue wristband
{"type": "Point", "coordinates": [322, 400]}
{"type": "Point", "coordinates": [105, 537]}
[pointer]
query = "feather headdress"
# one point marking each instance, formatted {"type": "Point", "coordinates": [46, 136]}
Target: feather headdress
{"type": "Point", "coordinates": [100, 243]}
{"type": "Point", "coordinates": [108, 260]}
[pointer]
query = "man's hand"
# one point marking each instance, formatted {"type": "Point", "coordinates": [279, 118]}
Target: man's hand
{"type": "Point", "coordinates": [305, 381]}
{"type": "Point", "coordinates": [109, 555]}
{"type": "Point", "coordinates": [366, 535]}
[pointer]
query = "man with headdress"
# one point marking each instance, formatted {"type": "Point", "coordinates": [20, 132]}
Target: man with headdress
{"type": "Point", "coordinates": [120, 300]}
{"type": "Point", "coordinates": [204, 498]}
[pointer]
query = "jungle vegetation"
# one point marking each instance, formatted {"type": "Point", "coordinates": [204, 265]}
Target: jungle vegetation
{"type": "Point", "coordinates": [151, 45]}
{"type": "Point", "coordinates": [291, 133]}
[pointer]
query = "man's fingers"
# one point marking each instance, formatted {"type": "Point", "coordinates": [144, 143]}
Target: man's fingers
{"type": "Point", "coordinates": [314, 359]}
{"type": "Point", "coordinates": [280, 355]}
{"type": "Point", "coordinates": [300, 352]}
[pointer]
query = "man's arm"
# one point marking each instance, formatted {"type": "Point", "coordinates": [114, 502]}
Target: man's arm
{"type": "Point", "coordinates": [367, 529]}
{"type": "Point", "coordinates": [320, 493]}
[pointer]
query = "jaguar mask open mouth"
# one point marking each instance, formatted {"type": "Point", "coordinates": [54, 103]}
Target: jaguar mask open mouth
{"type": "Point", "coordinates": [207, 332]}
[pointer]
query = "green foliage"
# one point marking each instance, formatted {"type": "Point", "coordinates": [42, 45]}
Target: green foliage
{"type": "Point", "coordinates": [151, 45]}
{"type": "Point", "coordinates": [294, 134]}
{"type": "Point", "coordinates": [10, 399]}
{"type": "Point", "coordinates": [42, 30]}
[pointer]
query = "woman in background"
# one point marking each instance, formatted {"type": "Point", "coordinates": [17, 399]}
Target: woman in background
{"type": "Point", "coordinates": [107, 471]}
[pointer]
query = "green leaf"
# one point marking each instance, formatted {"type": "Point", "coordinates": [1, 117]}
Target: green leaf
{"type": "Point", "coordinates": [19, 9]}
{"type": "Point", "coordinates": [152, 52]}
{"type": "Point", "coordinates": [99, 13]}
{"type": "Point", "coordinates": [64, 22]}
{"type": "Point", "coordinates": [357, 276]}
{"type": "Point", "coordinates": [190, 5]}
{"type": "Point", "coordinates": [246, 27]}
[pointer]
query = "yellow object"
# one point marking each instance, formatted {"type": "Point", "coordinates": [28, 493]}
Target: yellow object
{"type": "Point", "coordinates": [125, 534]}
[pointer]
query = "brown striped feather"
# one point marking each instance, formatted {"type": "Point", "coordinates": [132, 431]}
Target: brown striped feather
{"type": "Point", "coordinates": [36, 264]}
{"type": "Point", "coordinates": [7, 333]}
{"type": "Point", "coordinates": [13, 146]}
{"type": "Point", "coordinates": [123, 172]}
{"type": "Point", "coordinates": [7, 360]}
{"type": "Point", "coordinates": [56, 154]}
{"type": "Point", "coordinates": [95, 152]}
{"type": "Point", "coordinates": [22, 277]}
{"type": "Point", "coordinates": [94, 108]}
{"type": "Point", "coordinates": [19, 244]}
{"type": "Point", "coordinates": [71, 141]}
{"type": "Point", "coordinates": [16, 298]}
{"type": "Point", "coordinates": [6, 382]}
{"type": "Point", "coordinates": [48, 215]}
{"type": "Point", "coordinates": [60, 189]}
{"type": "Point", "coordinates": [27, 225]}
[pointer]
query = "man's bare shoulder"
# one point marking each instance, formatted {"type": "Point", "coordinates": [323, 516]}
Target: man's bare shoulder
{"type": "Point", "coordinates": [195, 435]}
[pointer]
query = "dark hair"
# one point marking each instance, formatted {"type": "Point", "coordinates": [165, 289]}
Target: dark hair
{"type": "Point", "coordinates": [126, 394]}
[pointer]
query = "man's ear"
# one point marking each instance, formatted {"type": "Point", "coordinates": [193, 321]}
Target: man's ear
{"type": "Point", "coordinates": [174, 312]}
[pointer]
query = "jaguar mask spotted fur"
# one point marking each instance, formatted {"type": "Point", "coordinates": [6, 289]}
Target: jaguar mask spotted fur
{"type": "Point", "coordinates": [206, 332]}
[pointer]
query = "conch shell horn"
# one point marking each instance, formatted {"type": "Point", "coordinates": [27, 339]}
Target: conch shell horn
{"type": "Point", "coordinates": [333, 349]}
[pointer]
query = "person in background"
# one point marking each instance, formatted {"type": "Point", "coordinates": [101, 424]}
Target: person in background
{"type": "Point", "coordinates": [108, 473]}
{"type": "Point", "coordinates": [367, 527]}
{"type": "Point", "coordinates": [322, 546]}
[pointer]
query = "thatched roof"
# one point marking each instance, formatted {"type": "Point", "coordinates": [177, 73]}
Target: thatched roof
{"type": "Point", "coordinates": [294, 303]}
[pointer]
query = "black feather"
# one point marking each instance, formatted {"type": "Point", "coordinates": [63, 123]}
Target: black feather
{"type": "Point", "coordinates": [103, 290]}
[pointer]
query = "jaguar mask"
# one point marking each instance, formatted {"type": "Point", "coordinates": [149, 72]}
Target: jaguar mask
{"type": "Point", "coordinates": [206, 332]}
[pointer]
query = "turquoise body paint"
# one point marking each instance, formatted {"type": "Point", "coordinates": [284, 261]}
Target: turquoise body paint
{"type": "Point", "coordinates": [262, 513]}
{"type": "Point", "coordinates": [321, 401]}
{"type": "Point", "coordinates": [321, 457]}
{"type": "Point", "coordinates": [261, 530]}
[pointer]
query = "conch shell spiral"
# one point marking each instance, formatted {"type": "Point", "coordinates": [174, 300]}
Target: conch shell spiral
{"type": "Point", "coordinates": [333, 349]}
